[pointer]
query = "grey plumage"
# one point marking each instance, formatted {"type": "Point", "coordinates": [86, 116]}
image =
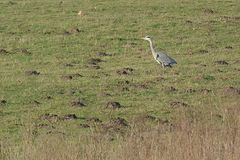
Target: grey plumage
{"type": "Point", "coordinates": [161, 58]}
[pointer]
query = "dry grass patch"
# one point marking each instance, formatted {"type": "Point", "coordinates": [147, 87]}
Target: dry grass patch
{"type": "Point", "coordinates": [186, 139]}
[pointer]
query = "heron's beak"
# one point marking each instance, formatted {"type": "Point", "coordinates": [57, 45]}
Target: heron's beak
{"type": "Point", "coordinates": [143, 38]}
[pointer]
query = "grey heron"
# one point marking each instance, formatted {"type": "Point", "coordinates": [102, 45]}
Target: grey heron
{"type": "Point", "coordinates": [161, 58]}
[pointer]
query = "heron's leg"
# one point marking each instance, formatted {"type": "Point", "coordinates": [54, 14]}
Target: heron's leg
{"type": "Point", "coordinates": [163, 65]}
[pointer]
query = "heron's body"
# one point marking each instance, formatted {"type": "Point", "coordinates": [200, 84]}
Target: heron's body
{"type": "Point", "coordinates": [160, 57]}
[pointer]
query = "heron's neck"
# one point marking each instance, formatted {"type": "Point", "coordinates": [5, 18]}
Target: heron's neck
{"type": "Point", "coordinates": [152, 49]}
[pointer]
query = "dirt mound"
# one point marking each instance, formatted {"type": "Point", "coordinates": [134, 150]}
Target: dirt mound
{"type": "Point", "coordinates": [125, 71]}
{"type": "Point", "coordinates": [208, 11]}
{"type": "Point", "coordinates": [54, 117]}
{"type": "Point", "coordinates": [93, 119]}
{"type": "Point", "coordinates": [32, 73]}
{"type": "Point", "coordinates": [72, 30]}
{"type": "Point", "coordinates": [221, 62]}
{"type": "Point", "coordinates": [232, 91]}
{"type": "Point", "coordinates": [177, 104]}
{"type": "Point", "coordinates": [83, 125]}
{"type": "Point", "coordinates": [205, 91]}
{"type": "Point", "coordinates": [3, 101]}
{"type": "Point", "coordinates": [77, 103]}
{"type": "Point", "coordinates": [170, 89]}
{"type": "Point", "coordinates": [49, 117]}
{"type": "Point", "coordinates": [71, 76]}
{"type": "Point", "coordinates": [114, 105]}
{"type": "Point", "coordinates": [190, 90]}
{"type": "Point", "coordinates": [68, 117]}
{"type": "Point", "coordinates": [3, 51]}
{"type": "Point", "coordinates": [94, 63]}
{"type": "Point", "coordinates": [118, 122]}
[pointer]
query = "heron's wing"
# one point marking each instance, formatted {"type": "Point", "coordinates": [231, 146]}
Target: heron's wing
{"type": "Point", "coordinates": [165, 59]}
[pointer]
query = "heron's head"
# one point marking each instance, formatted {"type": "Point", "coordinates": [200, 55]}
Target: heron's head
{"type": "Point", "coordinates": [147, 38]}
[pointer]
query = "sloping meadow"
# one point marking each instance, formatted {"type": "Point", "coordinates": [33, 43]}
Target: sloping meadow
{"type": "Point", "coordinates": [71, 68]}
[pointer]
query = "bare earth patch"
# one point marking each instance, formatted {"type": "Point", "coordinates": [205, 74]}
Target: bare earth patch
{"type": "Point", "coordinates": [72, 30]}
{"type": "Point", "coordinates": [232, 91]}
{"type": "Point", "coordinates": [114, 105]}
{"type": "Point", "coordinates": [32, 72]}
{"type": "Point", "coordinates": [177, 104]}
{"type": "Point", "coordinates": [3, 102]}
{"type": "Point", "coordinates": [77, 103]}
{"type": "Point", "coordinates": [71, 76]}
{"type": "Point", "coordinates": [125, 71]}
{"type": "Point", "coordinates": [3, 51]}
{"type": "Point", "coordinates": [221, 62]}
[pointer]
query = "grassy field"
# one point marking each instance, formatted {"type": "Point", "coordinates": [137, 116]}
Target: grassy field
{"type": "Point", "coordinates": [61, 70]}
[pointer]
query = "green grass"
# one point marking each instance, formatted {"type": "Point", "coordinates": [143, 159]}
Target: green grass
{"type": "Point", "coordinates": [195, 33]}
